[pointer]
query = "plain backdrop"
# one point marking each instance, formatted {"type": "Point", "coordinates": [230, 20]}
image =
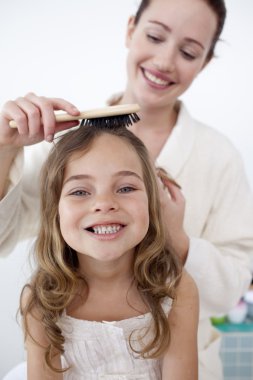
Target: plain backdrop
{"type": "Point", "coordinates": [75, 50]}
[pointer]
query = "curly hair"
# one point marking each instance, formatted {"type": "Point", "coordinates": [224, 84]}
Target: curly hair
{"type": "Point", "coordinates": [56, 280]}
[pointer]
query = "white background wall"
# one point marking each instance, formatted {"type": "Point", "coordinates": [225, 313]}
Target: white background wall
{"type": "Point", "coordinates": [75, 50]}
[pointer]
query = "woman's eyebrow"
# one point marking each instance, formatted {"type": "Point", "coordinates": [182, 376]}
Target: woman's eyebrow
{"type": "Point", "coordinates": [168, 29]}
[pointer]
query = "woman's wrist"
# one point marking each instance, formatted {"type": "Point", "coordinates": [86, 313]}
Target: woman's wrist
{"type": "Point", "coordinates": [184, 248]}
{"type": "Point", "coordinates": [7, 155]}
{"type": "Point", "coordinates": [180, 246]}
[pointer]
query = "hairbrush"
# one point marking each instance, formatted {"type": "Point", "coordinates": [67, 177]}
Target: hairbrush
{"type": "Point", "coordinates": [112, 116]}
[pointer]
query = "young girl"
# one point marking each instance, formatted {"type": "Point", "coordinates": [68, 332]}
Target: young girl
{"type": "Point", "coordinates": [107, 295]}
{"type": "Point", "coordinates": [209, 225]}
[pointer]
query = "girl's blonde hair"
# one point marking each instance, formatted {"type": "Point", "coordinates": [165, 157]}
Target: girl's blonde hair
{"type": "Point", "coordinates": [56, 279]}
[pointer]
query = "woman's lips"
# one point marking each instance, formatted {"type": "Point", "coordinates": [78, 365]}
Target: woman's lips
{"type": "Point", "coordinates": [157, 79]}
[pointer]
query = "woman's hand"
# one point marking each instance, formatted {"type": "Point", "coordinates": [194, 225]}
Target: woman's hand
{"type": "Point", "coordinates": [173, 209]}
{"type": "Point", "coordinates": [35, 119]}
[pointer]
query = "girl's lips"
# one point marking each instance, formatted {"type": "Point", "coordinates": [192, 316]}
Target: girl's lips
{"type": "Point", "coordinates": [105, 229]}
{"type": "Point", "coordinates": [105, 232]}
{"type": "Point", "coordinates": [156, 79]}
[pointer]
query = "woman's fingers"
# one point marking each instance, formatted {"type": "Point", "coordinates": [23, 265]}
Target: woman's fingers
{"type": "Point", "coordinates": [174, 190]}
{"type": "Point", "coordinates": [35, 119]}
{"type": "Point", "coordinates": [173, 210]}
{"type": "Point", "coordinates": [29, 119]}
{"type": "Point", "coordinates": [46, 107]}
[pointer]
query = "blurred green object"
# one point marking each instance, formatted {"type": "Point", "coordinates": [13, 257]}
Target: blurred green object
{"type": "Point", "coordinates": [228, 327]}
{"type": "Point", "coordinates": [218, 320]}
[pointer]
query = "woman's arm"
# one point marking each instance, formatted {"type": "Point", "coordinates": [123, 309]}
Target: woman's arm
{"type": "Point", "coordinates": [7, 156]}
{"type": "Point", "coordinates": [220, 219]}
{"type": "Point", "coordinates": [219, 257]}
{"type": "Point", "coordinates": [181, 359]}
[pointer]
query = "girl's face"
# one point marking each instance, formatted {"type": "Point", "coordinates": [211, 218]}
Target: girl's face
{"type": "Point", "coordinates": [167, 49]}
{"type": "Point", "coordinates": [103, 207]}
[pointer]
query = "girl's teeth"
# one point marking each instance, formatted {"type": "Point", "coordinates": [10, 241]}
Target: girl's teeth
{"type": "Point", "coordinates": [155, 80]}
{"type": "Point", "coordinates": [106, 229]}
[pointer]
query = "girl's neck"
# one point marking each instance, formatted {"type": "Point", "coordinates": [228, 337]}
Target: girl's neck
{"type": "Point", "coordinates": [107, 273]}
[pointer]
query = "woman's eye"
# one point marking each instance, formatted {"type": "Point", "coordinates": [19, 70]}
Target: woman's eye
{"type": "Point", "coordinates": [188, 55]}
{"type": "Point", "coordinates": [154, 38]}
{"type": "Point", "coordinates": [126, 189]}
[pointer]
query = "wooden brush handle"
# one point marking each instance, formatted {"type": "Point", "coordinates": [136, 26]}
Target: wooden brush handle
{"type": "Point", "coordinates": [117, 110]}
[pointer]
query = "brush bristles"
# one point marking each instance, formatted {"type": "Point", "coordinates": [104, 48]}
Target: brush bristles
{"type": "Point", "coordinates": [111, 121]}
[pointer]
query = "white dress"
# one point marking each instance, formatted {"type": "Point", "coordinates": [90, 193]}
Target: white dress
{"type": "Point", "coordinates": [100, 350]}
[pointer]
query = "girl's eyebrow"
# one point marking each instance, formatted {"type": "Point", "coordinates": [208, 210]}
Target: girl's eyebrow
{"type": "Point", "coordinates": [127, 173]}
{"type": "Point", "coordinates": [168, 29]}
{"type": "Point", "coordinates": [121, 173]}
{"type": "Point", "coordinates": [77, 177]}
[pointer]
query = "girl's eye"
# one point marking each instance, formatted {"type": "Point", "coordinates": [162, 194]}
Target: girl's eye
{"type": "Point", "coordinates": [80, 193]}
{"type": "Point", "coordinates": [126, 189]}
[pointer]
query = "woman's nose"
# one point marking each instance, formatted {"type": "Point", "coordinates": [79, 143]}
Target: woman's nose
{"type": "Point", "coordinates": [165, 58]}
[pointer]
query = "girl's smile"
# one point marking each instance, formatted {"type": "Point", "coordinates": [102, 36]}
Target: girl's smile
{"type": "Point", "coordinates": [106, 231]}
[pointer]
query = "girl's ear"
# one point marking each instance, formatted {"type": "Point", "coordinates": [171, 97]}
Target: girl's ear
{"type": "Point", "coordinates": [130, 30]}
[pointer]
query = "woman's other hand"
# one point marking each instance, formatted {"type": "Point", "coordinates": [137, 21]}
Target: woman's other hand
{"type": "Point", "coordinates": [173, 210]}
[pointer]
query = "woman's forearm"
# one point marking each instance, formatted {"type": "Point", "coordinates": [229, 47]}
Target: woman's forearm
{"type": "Point", "coordinates": [7, 156]}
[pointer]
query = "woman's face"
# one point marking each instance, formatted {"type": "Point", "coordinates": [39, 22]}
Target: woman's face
{"type": "Point", "coordinates": [167, 49]}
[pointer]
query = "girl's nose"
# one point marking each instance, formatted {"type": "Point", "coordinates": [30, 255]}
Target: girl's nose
{"type": "Point", "coordinates": [105, 203]}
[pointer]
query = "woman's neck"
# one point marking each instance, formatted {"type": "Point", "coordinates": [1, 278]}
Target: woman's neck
{"type": "Point", "coordinates": [160, 120]}
{"type": "Point", "coordinates": [155, 125]}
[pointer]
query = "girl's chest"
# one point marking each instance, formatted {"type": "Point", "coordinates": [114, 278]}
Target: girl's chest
{"type": "Point", "coordinates": [114, 306]}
